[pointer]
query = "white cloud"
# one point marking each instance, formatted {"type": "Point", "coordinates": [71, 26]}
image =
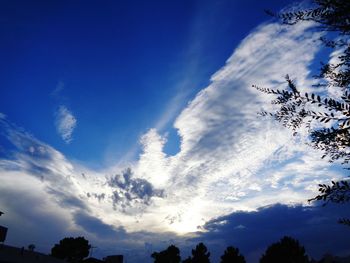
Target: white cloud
{"type": "Point", "coordinates": [65, 123]}
{"type": "Point", "coordinates": [229, 158]}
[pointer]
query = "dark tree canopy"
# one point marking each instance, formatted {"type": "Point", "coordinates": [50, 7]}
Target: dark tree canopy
{"type": "Point", "coordinates": [232, 255]}
{"type": "Point", "coordinates": [199, 255]}
{"type": "Point", "coordinates": [287, 250]}
{"type": "Point", "coordinates": [330, 15]}
{"type": "Point", "coordinates": [170, 255]}
{"type": "Point", "coordinates": [327, 119]}
{"type": "Point", "coordinates": [31, 247]}
{"type": "Point", "coordinates": [71, 249]}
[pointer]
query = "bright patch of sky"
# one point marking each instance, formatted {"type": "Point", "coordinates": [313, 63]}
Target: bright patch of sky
{"type": "Point", "coordinates": [116, 84]}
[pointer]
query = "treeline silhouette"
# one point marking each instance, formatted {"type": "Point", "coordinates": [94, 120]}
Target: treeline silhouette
{"type": "Point", "coordinates": [287, 250]}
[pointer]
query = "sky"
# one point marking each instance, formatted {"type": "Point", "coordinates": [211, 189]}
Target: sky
{"type": "Point", "coordinates": [134, 124]}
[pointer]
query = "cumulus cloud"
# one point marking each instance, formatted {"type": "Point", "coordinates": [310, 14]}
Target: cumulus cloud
{"type": "Point", "coordinates": [65, 123]}
{"type": "Point", "coordinates": [97, 226]}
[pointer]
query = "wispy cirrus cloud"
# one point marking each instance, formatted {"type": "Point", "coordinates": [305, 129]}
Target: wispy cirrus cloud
{"type": "Point", "coordinates": [65, 123]}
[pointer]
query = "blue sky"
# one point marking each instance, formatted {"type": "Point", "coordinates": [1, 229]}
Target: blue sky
{"type": "Point", "coordinates": [118, 65]}
{"type": "Point", "coordinates": [134, 124]}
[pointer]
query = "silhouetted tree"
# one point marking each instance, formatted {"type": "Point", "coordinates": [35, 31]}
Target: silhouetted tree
{"type": "Point", "coordinates": [199, 255]}
{"type": "Point", "coordinates": [31, 247]}
{"type": "Point", "coordinates": [287, 250]}
{"type": "Point", "coordinates": [326, 119]}
{"type": "Point", "coordinates": [71, 249]}
{"type": "Point", "coordinates": [170, 255]}
{"type": "Point", "coordinates": [232, 255]}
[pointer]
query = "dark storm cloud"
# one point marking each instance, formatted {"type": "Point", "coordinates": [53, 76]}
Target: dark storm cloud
{"type": "Point", "coordinates": [315, 227]}
{"type": "Point", "coordinates": [30, 221]}
{"type": "Point", "coordinates": [96, 226]}
{"type": "Point", "coordinates": [130, 190]}
{"type": "Point", "coordinates": [67, 200]}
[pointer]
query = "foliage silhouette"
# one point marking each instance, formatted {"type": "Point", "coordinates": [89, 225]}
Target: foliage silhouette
{"type": "Point", "coordinates": [31, 247]}
{"type": "Point", "coordinates": [330, 15]}
{"type": "Point", "coordinates": [232, 255]}
{"type": "Point", "coordinates": [287, 250]}
{"type": "Point", "coordinates": [326, 119]}
{"type": "Point", "coordinates": [71, 249]}
{"type": "Point", "coordinates": [199, 255]}
{"type": "Point", "coordinates": [170, 255]}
